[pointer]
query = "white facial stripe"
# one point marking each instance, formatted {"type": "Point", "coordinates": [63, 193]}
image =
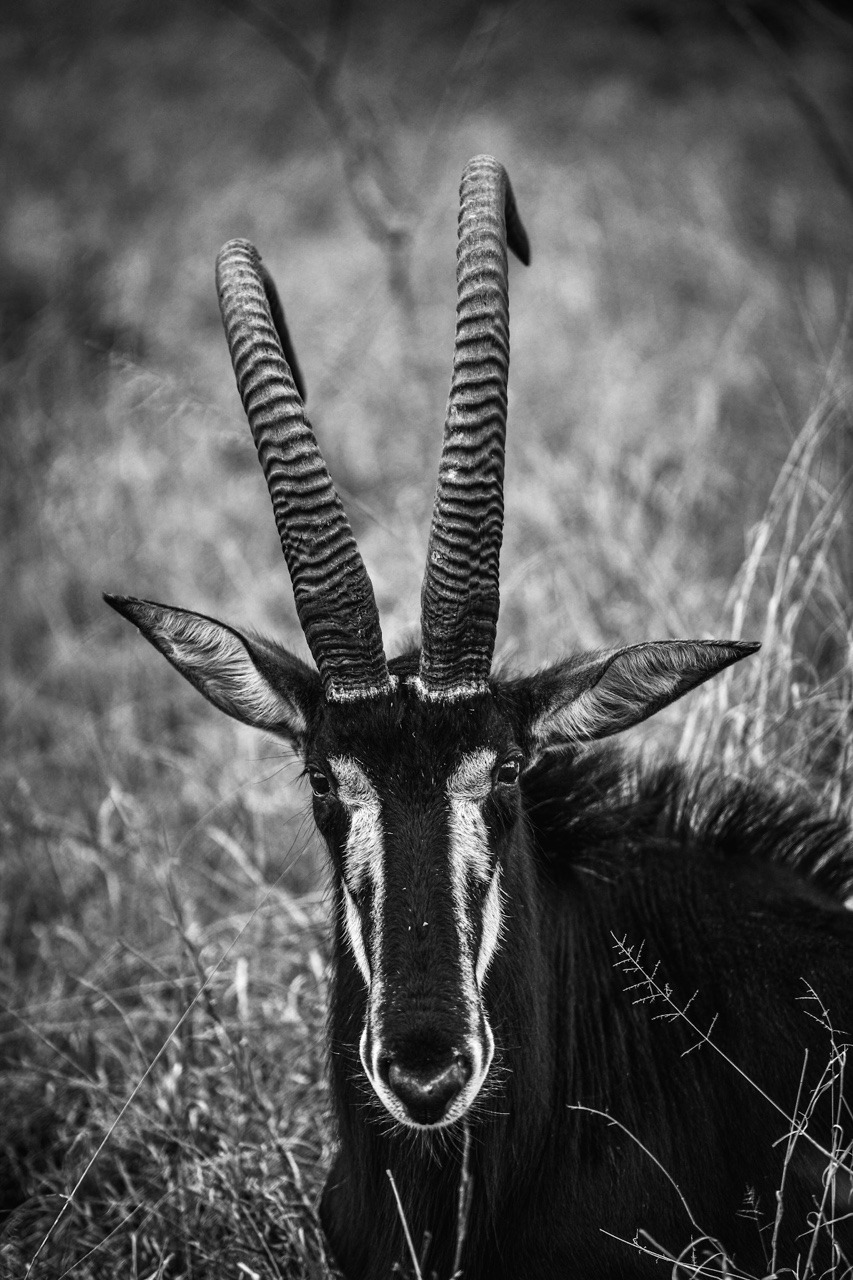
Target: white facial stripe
{"type": "Point", "coordinates": [472, 779]}
{"type": "Point", "coordinates": [352, 921]}
{"type": "Point", "coordinates": [363, 865]}
{"type": "Point", "coordinates": [364, 847]}
{"type": "Point", "coordinates": [467, 788]}
{"type": "Point", "coordinates": [492, 926]}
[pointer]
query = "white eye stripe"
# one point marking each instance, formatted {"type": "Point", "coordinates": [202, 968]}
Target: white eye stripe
{"type": "Point", "coordinates": [473, 878]}
{"type": "Point", "coordinates": [352, 922]}
{"type": "Point", "coordinates": [355, 789]}
{"type": "Point", "coordinates": [364, 853]}
{"type": "Point", "coordinates": [492, 927]}
{"type": "Point", "coordinates": [469, 844]}
{"type": "Point", "coordinates": [467, 787]}
{"type": "Point", "coordinates": [364, 847]}
{"type": "Point", "coordinates": [471, 859]}
{"type": "Point", "coordinates": [471, 780]}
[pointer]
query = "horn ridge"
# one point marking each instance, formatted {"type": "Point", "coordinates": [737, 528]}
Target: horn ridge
{"type": "Point", "coordinates": [460, 597]}
{"type": "Point", "coordinates": [333, 594]}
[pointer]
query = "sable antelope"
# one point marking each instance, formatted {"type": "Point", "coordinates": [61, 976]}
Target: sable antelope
{"type": "Point", "coordinates": [485, 854]}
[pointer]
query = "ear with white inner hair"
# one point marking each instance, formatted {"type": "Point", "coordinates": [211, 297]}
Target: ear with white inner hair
{"type": "Point", "coordinates": [599, 694]}
{"type": "Point", "coordinates": [253, 680]}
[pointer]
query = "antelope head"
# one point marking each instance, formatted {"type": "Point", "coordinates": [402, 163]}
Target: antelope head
{"type": "Point", "coordinates": [415, 765]}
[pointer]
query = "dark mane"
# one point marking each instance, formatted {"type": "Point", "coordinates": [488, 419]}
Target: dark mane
{"type": "Point", "coordinates": [603, 797]}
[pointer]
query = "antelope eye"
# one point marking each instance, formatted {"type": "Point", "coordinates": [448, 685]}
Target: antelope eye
{"type": "Point", "coordinates": [320, 784]}
{"type": "Point", "coordinates": [507, 773]}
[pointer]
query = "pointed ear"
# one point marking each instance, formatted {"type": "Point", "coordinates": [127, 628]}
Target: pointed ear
{"type": "Point", "coordinates": [253, 680]}
{"type": "Point", "coordinates": [598, 694]}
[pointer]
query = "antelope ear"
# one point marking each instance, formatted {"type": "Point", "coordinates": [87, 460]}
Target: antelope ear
{"type": "Point", "coordinates": [253, 680]}
{"type": "Point", "coordinates": [597, 694]}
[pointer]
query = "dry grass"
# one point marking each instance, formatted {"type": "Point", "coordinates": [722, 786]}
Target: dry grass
{"type": "Point", "coordinates": [826, 1146]}
{"type": "Point", "coordinates": [679, 343]}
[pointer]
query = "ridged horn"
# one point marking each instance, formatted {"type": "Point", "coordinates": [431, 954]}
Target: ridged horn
{"type": "Point", "coordinates": [333, 594]}
{"type": "Point", "coordinates": [460, 596]}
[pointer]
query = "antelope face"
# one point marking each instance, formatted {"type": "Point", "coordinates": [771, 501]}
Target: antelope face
{"type": "Point", "coordinates": [417, 807]}
{"type": "Point", "coordinates": [414, 774]}
{"type": "Point", "coordinates": [415, 765]}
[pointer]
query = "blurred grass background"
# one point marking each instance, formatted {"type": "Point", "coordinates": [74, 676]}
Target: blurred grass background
{"type": "Point", "coordinates": [679, 447]}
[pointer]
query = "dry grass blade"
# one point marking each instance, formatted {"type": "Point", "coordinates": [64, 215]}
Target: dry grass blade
{"type": "Point", "coordinates": [463, 1211]}
{"type": "Point", "coordinates": [401, 1213]}
{"type": "Point", "coordinates": [789, 707]}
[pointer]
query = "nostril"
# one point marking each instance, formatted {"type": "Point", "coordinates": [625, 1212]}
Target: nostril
{"type": "Point", "coordinates": [426, 1094]}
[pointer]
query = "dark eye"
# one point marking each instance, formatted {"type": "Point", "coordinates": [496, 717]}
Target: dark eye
{"type": "Point", "coordinates": [320, 784]}
{"type": "Point", "coordinates": [507, 773]}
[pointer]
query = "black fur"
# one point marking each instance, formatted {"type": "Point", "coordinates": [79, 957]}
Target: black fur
{"type": "Point", "coordinates": [614, 876]}
{"type": "Point", "coordinates": [733, 898]}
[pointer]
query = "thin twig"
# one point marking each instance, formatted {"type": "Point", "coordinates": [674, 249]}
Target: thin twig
{"type": "Point", "coordinates": [366, 169]}
{"type": "Point", "coordinates": [630, 961]}
{"type": "Point", "coordinates": [406, 1232]}
{"type": "Point", "coordinates": [120, 1226]}
{"type": "Point", "coordinates": [463, 1206]}
{"type": "Point", "coordinates": [789, 1151]}
{"type": "Point", "coordinates": [605, 1115]}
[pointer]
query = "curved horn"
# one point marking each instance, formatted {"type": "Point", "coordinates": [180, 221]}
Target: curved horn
{"type": "Point", "coordinates": [333, 594]}
{"type": "Point", "coordinates": [460, 596]}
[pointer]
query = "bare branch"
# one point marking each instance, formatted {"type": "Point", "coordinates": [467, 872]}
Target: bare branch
{"type": "Point", "coordinates": [386, 223]}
